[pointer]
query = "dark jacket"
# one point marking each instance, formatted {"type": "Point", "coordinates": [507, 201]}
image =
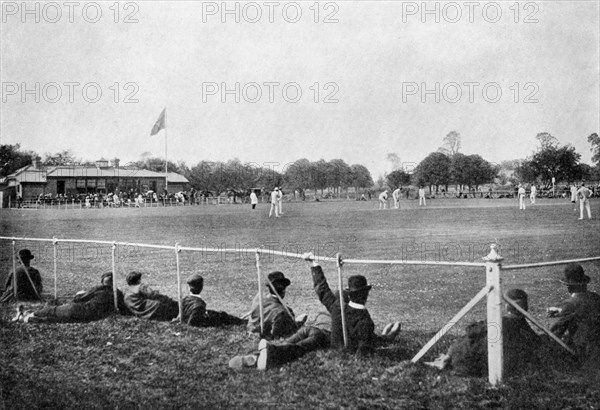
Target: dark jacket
{"type": "Point", "coordinates": [579, 324]}
{"type": "Point", "coordinates": [196, 314]}
{"type": "Point", "coordinates": [469, 354]}
{"type": "Point", "coordinates": [359, 325]}
{"type": "Point", "coordinates": [148, 304]}
{"type": "Point", "coordinates": [24, 289]}
{"type": "Point", "coordinates": [277, 322]}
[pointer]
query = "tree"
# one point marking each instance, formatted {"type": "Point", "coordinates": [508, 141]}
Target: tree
{"type": "Point", "coordinates": [12, 159]}
{"type": "Point", "coordinates": [433, 170]}
{"type": "Point", "coordinates": [64, 157]}
{"type": "Point", "coordinates": [594, 139]}
{"type": "Point", "coordinates": [451, 144]}
{"type": "Point", "coordinates": [556, 162]}
{"type": "Point", "coordinates": [546, 140]}
{"type": "Point", "coordinates": [397, 178]}
{"type": "Point", "coordinates": [154, 164]}
{"type": "Point", "coordinates": [361, 177]}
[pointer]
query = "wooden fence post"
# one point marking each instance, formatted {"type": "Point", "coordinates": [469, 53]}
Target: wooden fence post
{"type": "Point", "coordinates": [494, 317]}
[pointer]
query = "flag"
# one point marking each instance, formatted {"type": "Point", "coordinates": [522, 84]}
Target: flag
{"type": "Point", "coordinates": [160, 123]}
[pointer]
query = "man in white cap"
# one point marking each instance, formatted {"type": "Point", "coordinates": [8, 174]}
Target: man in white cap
{"type": "Point", "coordinates": [274, 203]}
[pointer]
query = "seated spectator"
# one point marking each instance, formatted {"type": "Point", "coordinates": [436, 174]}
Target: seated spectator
{"type": "Point", "coordinates": [277, 321]}
{"type": "Point", "coordinates": [314, 335]}
{"type": "Point", "coordinates": [578, 318]}
{"type": "Point", "coordinates": [468, 355]}
{"type": "Point", "coordinates": [29, 280]}
{"type": "Point", "coordinates": [146, 303]}
{"type": "Point", "coordinates": [361, 336]}
{"type": "Point", "coordinates": [195, 312]}
{"type": "Point", "coordinates": [95, 304]}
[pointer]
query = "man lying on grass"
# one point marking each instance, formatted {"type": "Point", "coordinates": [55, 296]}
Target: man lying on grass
{"type": "Point", "coordinates": [95, 304]}
{"type": "Point", "coordinates": [326, 329]}
{"type": "Point", "coordinates": [195, 312]}
{"type": "Point", "coordinates": [146, 303]}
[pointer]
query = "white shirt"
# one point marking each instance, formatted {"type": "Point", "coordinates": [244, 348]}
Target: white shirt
{"type": "Point", "coordinates": [274, 197]}
{"type": "Point", "coordinates": [422, 192]}
{"type": "Point", "coordinates": [396, 193]}
{"type": "Point", "coordinates": [521, 191]}
{"type": "Point", "coordinates": [253, 198]}
{"type": "Point", "coordinates": [383, 196]}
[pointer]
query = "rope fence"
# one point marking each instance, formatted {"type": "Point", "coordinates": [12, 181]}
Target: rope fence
{"type": "Point", "coordinates": [492, 289]}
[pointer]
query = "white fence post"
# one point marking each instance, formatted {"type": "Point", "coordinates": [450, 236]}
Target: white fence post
{"type": "Point", "coordinates": [260, 305]}
{"type": "Point", "coordinates": [14, 258]}
{"type": "Point", "coordinates": [114, 277]}
{"type": "Point", "coordinates": [341, 290]}
{"type": "Point", "coordinates": [54, 242]}
{"type": "Point", "coordinates": [179, 299]}
{"type": "Point", "coordinates": [494, 317]}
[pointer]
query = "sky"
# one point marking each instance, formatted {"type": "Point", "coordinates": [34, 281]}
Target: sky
{"type": "Point", "coordinates": [354, 80]}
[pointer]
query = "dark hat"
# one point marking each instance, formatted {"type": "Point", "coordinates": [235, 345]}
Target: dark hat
{"type": "Point", "coordinates": [133, 278]}
{"type": "Point", "coordinates": [357, 283]}
{"type": "Point", "coordinates": [574, 275]}
{"type": "Point", "coordinates": [106, 275]}
{"type": "Point", "coordinates": [520, 297]}
{"type": "Point", "coordinates": [196, 280]}
{"type": "Point", "coordinates": [25, 254]}
{"type": "Point", "coordinates": [279, 278]}
{"type": "Point", "coordinates": [517, 294]}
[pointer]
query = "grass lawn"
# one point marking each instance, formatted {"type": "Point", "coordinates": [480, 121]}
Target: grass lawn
{"type": "Point", "coordinates": [128, 363]}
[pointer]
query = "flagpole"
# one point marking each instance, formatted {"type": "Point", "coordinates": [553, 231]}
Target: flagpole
{"type": "Point", "coordinates": [166, 161]}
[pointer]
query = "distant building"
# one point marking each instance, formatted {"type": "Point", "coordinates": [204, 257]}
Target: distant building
{"type": "Point", "coordinates": [32, 180]}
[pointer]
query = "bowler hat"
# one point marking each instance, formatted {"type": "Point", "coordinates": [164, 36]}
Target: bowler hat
{"type": "Point", "coordinates": [106, 275]}
{"type": "Point", "coordinates": [574, 275]}
{"type": "Point", "coordinates": [195, 280]}
{"type": "Point", "coordinates": [25, 254]}
{"type": "Point", "coordinates": [133, 278]}
{"type": "Point", "coordinates": [357, 283]}
{"type": "Point", "coordinates": [519, 296]}
{"type": "Point", "coordinates": [279, 278]}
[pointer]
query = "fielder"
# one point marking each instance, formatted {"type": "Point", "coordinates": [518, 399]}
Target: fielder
{"type": "Point", "coordinates": [422, 196]}
{"type": "Point", "coordinates": [521, 193]}
{"type": "Point", "coordinates": [396, 196]}
{"type": "Point", "coordinates": [584, 195]}
{"type": "Point", "coordinates": [533, 194]}
{"type": "Point", "coordinates": [383, 199]}
{"type": "Point", "coordinates": [574, 196]}
{"type": "Point", "coordinates": [274, 203]}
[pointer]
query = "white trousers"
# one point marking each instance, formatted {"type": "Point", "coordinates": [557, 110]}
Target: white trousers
{"type": "Point", "coordinates": [584, 203]}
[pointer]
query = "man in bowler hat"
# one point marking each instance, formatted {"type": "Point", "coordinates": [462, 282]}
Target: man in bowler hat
{"type": "Point", "coordinates": [29, 280]}
{"type": "Point", "coordinates": [578, 318]}
{"type": "Point", "coordinates": [195, 312]}
{"type": "Point", "coordinates": [277, 320]}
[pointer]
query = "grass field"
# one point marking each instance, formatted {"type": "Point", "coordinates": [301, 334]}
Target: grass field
{"type": "Point", "coordinates": [128, 363]}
